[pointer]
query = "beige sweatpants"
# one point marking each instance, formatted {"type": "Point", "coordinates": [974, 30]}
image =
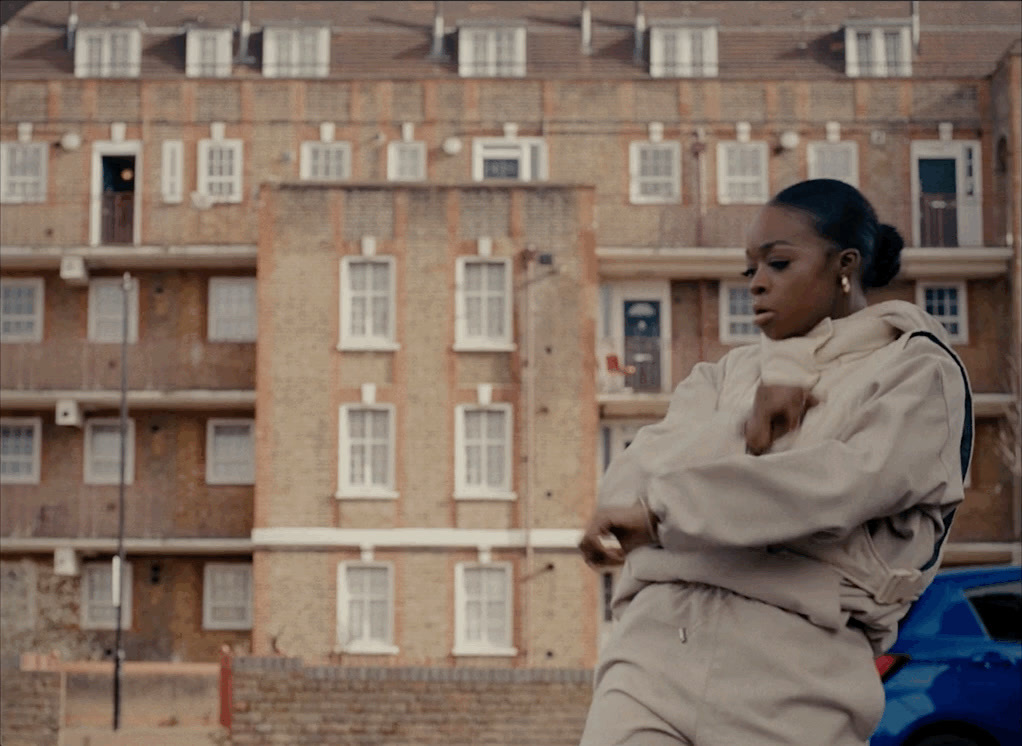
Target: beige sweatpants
{"type": "Point", "coordinates": [698, 665]}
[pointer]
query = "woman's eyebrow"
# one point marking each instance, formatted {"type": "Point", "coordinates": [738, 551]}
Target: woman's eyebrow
{"type": "Point", "coordinates": [767, 246]}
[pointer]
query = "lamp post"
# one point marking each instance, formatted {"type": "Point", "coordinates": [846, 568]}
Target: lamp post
{"type": "Point", "coordinates": [117, 574]}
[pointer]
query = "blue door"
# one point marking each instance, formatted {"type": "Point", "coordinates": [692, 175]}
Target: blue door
{"type": "Point", "coordinates": [642, 344]}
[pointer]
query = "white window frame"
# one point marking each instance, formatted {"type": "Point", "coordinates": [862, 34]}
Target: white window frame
{"type": "Point", "coordinates": [84, 44]}
{"type": "Point", "coordinates": [345, 487]}
{"type": "Point", "coordinates": [725, 318]}
{"type": "Point", "coordinates": [469, 36]}
{"type": "Point", "coordinates": [364, 644]}
{"type": "Point", "coordinates": [305, 164]}
{"type": "Point", "coordinates": [463, 341]}
{"type": "Point", "coordinates": [416, 148]}
{"type": "Point", "coordinates": [9, 195]}
{"type": "Point", "coordinates": [91, 477]}
{"type": "Point", "coordinates": [273, 37]}
{"type": "Point", "coordinates": [172, 172]}
{"type": "Point", "coordinates": [351, 341]}
{"type": "Point", "coordinates": [87, 621]}
{"type": "Point", "coordinates": [878, 50]}
{"type": "Point", "coordinates": [94, 317]}
{"type": "Point", "coordinates": [36, 424]}
{"type": "Point", "coordinates": [961, 288]}
{"type": "Point", "coordinates": [815, 150]}
{"type": "Point", "coordinates": [530, 152]}
{"type": "Point", "coordinates": [465, 491]}
{"type": "Point", "coordinates": [968, 188]}
{"type": "Point", "coordinates": [39, 305]}
{"type": "Point", "coordinates": [236, 179]}
{"type": "Point", "coordinates": [215, 322]}
{"type": "Point", "coordinates": [724, 196]}
{"type": "Point", "coordinates": [196, 40]}
{"type": "Point", "coordinates": [635, 151]}
{"type": "Point", "coordinates": [684, 66]}
{"type": "Point", "coordinates": [210, 603]}
{"type": "Point", "coordinates": [211, 462]}
{"type": "Point", "coordinates": [465, 647]}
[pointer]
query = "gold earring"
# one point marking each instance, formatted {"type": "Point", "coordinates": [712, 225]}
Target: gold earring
{"type": "Point", "coordinates": [846, 286]}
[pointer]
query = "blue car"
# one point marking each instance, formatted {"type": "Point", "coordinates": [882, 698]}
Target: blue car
{"type": "Point", "coordinates": [954, 678]}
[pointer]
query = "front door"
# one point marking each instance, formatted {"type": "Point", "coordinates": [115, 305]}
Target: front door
{"type": "Point", "coordinates": [117, 209]}
{"type": "Point", "coordinates": [938, 202]}
{"type": "Point", "coordinates": [946, 190]}
{"type": "Point", "coordinates": [642, 344]}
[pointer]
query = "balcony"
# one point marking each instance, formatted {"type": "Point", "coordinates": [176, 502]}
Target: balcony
{"type": "Point", "coordinates": [160, 374]}
{"type": "Point", "coordinates": [633, 376]}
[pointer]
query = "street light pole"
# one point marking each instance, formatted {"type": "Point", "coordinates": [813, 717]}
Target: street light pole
{"type": "Point", "coordinates": [117, 574]}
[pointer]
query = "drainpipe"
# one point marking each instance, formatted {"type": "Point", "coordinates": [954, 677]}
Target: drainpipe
{"type": "Point", "coordinates": [915, 25]}
{"type": "Point", "coordinates": [244, 32]}
{"type": "Point", "coordinates": [72, 24]}
{"type": "Point", "coordinates": [640, 32]}
{"type": "Point", "coordinates": [699, 149]}
{"type": "Point", "coordinates": [530, 446]}
{"type": "Point", "coordinates": [437, 50]}
{"type": "Point", "coordinates": [587, 29]}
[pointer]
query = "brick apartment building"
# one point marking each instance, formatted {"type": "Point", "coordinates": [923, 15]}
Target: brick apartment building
{"type": "Point", "coordinates": [404, 276]}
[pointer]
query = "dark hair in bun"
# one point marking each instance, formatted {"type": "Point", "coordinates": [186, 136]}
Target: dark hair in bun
{"type": "Point", "coordinates": [844, 217]}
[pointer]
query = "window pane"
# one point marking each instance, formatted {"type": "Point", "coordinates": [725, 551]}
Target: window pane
{"type": "Point", "coordinates": [501, 168]}
{"type": "Point", "coordinates": [892, 51]}
{"type": "Point", "coordinates": [864, 51]}
{"type": "Point", "coordinates": [17, 446]}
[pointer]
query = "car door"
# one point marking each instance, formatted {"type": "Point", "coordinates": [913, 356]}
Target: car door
{"type": "Point", "coordinates": [993, 670]}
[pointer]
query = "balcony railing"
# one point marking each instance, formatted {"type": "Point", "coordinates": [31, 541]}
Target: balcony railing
{"type": "Point", "coordinates": [633, 365]}
{"type": "Point", "coordinates": [155, 508]}
{"type": "Point", "coordinates": [79, 365]}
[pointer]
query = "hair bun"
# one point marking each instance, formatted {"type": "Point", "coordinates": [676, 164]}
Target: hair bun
{"type": "Point", "coordinates": [886, 256]}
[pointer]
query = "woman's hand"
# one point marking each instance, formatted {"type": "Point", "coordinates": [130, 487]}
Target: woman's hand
{"type": "Point", "coordinates": [633, 526]}
{"type": "Point", "coordinates": [777, 411]}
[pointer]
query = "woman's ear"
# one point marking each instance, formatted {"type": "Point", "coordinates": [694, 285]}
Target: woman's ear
{"type": "Point", "coordinates": [849, 261]}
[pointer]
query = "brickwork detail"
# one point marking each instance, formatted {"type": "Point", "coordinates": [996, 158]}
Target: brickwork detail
{"type": "Point", "coordinates": [282, 701]}
{"type": "Point", "coordinates": [29, 707]}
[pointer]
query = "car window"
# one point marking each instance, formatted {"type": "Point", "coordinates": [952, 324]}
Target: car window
{"type": "Point", "coordinates": [1000, 609]}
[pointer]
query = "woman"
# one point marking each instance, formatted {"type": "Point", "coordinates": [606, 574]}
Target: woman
{"type": "Point", "coordinates": [780, 520]}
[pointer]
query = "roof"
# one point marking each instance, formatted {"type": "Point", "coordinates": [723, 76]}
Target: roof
{"type": "Point", "coordinates": [768, 40]}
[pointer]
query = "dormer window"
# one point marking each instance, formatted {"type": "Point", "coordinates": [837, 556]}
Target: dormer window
{"type": "Point", "coordinates": [108, 52]}
{"type": "Point", "coordinates": [491, 51]}
{"type": "Point", "coordinates": [683, 50]}
{"type": "Point", "coordinates": [208, 53]}
{"type": "Point", "coordinates": [878, 50]}
{"type": "Point", "coordinates": [296, 52]}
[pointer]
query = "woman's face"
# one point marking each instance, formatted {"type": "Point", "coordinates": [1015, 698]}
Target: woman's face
{"type": "Point", "coordinates": [793, 273]}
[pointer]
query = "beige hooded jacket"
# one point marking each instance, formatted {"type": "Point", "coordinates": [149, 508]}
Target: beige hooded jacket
{"type": "Point", "coordinates": [842, 519]}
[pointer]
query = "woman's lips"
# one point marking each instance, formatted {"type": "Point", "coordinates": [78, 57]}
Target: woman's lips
{"type": "Point", "coordinates": [763, 317]}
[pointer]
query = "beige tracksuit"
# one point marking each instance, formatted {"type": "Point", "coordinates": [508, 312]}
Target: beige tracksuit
{"type": "Point", "coordinates": [779, 577]}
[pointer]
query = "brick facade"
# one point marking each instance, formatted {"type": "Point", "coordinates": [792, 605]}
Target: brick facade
{"type": "Point", "coordinates": [779, 72]}
{"type": "Point", "coordinates": [29, 707]}
{"type": "Point", "coordinates": [280, 700]}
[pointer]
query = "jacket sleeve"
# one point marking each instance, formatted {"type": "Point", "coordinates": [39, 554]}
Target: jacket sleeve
{"type": "Point", "coordinates": [898, 449]}
{"type": "Point", "coordinates": [692, 412]}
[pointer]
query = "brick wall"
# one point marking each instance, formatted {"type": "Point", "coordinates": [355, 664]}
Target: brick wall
{"type": "Point", "coordinates": [279, 700]}
{"type": "Point", "coordinates": [29, 707]}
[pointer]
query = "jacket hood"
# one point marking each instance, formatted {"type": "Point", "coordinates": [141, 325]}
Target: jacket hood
{"type": "Point", "coordinates": [906, 318]}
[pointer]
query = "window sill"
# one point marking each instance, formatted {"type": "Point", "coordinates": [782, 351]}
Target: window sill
{"type": "Point", "coordinates": [349, 346]}
{"type": "Point", "coordinates": [367, 495]}
{"type": "Point", "coordinates": [367, 648]}
{"type": "Point", "coordinates": [484, 347]}
{"type": "Point", "coordinates": [673, 200]}
{"type": "Point", "coordinates": [467, 651]}
{"type": "Point", "coordinates": [228, 627]}
{"type": "Point", "coordinates": [486, 496]}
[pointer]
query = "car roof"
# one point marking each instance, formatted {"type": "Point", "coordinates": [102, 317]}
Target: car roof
{"type": "Point", "coordinates": [970, 577]}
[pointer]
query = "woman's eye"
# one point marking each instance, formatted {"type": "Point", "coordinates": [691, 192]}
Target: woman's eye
{"type": "Point", "coordinates": [779, 264]}
{"type": "Point", "coordinates": [749, 272]}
